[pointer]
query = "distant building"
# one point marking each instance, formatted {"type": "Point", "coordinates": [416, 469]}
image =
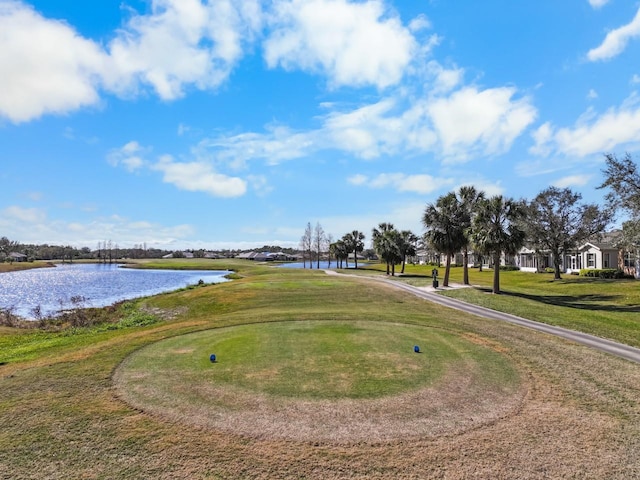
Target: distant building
{"type": "Point", "coordinates": [17, 257]}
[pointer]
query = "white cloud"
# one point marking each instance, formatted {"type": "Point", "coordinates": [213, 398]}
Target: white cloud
{"type": "Point", "coordinates": [25, 215]}
{"type": "Point", "coordinates": [182, 42]}
{"type": "Point", "coordinates": [45, 66]}
{"type": "Point", "coordinates": [195, 176]}
{"type": "Point", "coordinates": [421, 183]}
{"type": "Point", "coordinates": [183, 129]}
{"type": "Point", "coordinates": [404, 215]}
{"type": "Point", "coordinates": [130, 156]}
{"type": "Point", "coordinates": [616, 128]}
{"type": "Point", "coordinates": [358, 179]}
{"type": "Point", "coordinates": [199, 177]}
{"type": "Point", "coordinates": [592, 95]}
{"type": "Point", "coordinates": [572, 180]}
{"type": "Point", "coordinates": [31, 226]}
{"type": "Point", "coordinates": [482, 185]}
{"type": "Point", "coordinates": [616, 41]}
{"type": "Point", "coordinates": [260, 185]}
{"type": "Point", "coordinates": [464, 124]}
{"type": "Point", "coordinates": [480, 122]}
{"type": "Point", "coordinates": [354, 44]}
{"type": "Point", "coordinates": [421, 22]}
{"type": "Point", "coordinates": [598, 3]}
{"type": "Point", "coordinates": [278, 144]}
{"type": "Point", "coordinates": [445, 79]}
{"type": "Point", "coordinates": [543, 137]}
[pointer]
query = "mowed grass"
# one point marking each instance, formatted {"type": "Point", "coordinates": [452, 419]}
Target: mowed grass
{"type": "Point", "coordinates": [314, 360]}
{"type": "Point", "coordinates": [601, 307]}
{"type": "Point", "coordinates": [61, 416]}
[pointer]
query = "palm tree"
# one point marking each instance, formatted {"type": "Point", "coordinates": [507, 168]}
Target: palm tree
{"type": "Point", "coordinates": [408, 241]}
{"type": "Point", "coordinates": [444, 222]}
{"type": "Point", "coordinates": [468, 197]}
{"type": "Point", "coordinates": [496, 230]}
{"type": "Point", "coordinates": [386, 240]}
{"type": "Point", "coordinates": [339, 251]}
{"type": "Point", "coordinates": [354, 242]}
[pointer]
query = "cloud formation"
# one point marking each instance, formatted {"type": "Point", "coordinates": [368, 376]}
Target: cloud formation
{"type": "Point", "coordinates": [593, 133]}
{"type": "Point", "coordinates": [130, 156]}
{"type": "Point", "coordinates": [199, 177]}
{"type": "Point", "coordinates": [420, 183]}
{"type": "Point", "coordinates": [182, 42]}
{"type": "Point", "coordinates": [572, 181]}
{"type": "Point", "coordinates": [351, 43]}
{"type": "Point", "coordinates": [45, 66]}
{"type": "Point", "coordinates": [616, 41]}
{"type": "Point", "coordinates": [31, 225]}
{"type": "Point", "coordinates": [456, 126]}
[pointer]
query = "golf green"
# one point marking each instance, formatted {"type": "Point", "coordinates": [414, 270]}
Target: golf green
{"type": "Point", "coordinates": [289, 371]}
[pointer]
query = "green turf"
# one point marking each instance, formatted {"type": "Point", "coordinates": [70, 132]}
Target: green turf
{"type": "Point", "coordinates": [602, 307]}
{"type": "Point", "coordinates": [316, 360]}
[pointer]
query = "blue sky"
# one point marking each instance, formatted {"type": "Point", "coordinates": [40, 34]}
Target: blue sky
{"type": "Point", "coordinates": [231, 124]}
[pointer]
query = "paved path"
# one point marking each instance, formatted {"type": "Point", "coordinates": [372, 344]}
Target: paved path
{"type": "Point", "coordinates": [611, 347]}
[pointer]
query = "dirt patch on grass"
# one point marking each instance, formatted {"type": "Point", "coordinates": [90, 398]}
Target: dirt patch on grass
{"type": "Point", "coordinates": [165, 313]}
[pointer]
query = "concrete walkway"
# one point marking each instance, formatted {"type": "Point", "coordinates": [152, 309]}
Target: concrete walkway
{"type": "Point", "coordinates": [428, 293]}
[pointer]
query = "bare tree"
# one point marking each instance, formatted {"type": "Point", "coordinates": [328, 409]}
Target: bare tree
{"type": "Point", "coordinates": [306, 244]}
{"type": "Point", "coordinates": [319, 239]}
{"type": "Point", "coordinates": [328, 243]}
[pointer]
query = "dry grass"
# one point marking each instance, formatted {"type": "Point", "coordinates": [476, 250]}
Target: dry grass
{"type": "Point", "coordinates": [62, 418]}
{"type": "Point", "coordinates": [458, 403]}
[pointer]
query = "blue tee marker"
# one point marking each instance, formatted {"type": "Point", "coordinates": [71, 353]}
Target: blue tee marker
{"type": "Point", "coordinates": [416, 349]}
{"type": "Point", "coordinates": [212, 357]}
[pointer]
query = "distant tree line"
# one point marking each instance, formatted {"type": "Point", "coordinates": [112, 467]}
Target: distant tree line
{"type": "Point", "coordinates": [555, 222]}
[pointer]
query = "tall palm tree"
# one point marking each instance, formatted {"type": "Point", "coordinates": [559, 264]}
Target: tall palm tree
{"type": "Point", "coordinates": [444, 222]}
{"type": "Point", "coordinates": [386, 241]}
{"type": "Point", "coordinates": [354, 242]}
{"type": "Point", "coordinates": [496, 230]}
{"type": "Point", "coordinates": [468, 197]}
{"type": "Point", "coordinates": [408, 241]}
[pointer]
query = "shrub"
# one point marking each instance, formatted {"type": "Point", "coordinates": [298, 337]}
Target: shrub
{"type": "Point", "coordinates": [602, 273]}
{"type": "Point", "coordinates": [8, 317]}
{"type": "Point", "coordinates": [509, 268]}
{"type": "Point", "coordinates": [133, 317]}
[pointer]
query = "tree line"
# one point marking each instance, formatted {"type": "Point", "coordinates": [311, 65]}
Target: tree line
{"type": "Point", "coordinates": [554, 222]}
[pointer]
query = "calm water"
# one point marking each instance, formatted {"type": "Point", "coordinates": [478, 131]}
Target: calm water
{"type": "Point", "coordinates": [323, 264]}
{"type": "Point", "coordinates": [100, 284]}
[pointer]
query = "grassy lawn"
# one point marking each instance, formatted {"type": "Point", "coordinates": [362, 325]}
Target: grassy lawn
{"type": "Point", "coordinates": [17, 266]}
{"type": "Point", "coordinates": [313, 359]}
{"type": "Point", "coordinates": [606, 308]}
{"type": "Point", "coordinates": [64, 414]}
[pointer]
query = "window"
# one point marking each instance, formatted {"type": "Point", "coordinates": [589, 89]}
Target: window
{"type": "Point", "coordinates": [607, 261]}
{"type": "Point", "coordinates": [591, 260]}
{"type": "Point", "coordinates": [629, 260]}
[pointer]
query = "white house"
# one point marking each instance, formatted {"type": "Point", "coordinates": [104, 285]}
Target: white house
{"type": "Point", "coordinates": [590, 255]}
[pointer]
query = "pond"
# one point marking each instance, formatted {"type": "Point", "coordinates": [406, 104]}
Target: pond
{"type": "Point", "coordinates": [99, 285]}
{"type": "Point", "coordinates": [323, 264]}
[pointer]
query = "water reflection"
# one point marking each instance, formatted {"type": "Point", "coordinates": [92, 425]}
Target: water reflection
{"type": "Point", "coordinates": [100, 284]}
